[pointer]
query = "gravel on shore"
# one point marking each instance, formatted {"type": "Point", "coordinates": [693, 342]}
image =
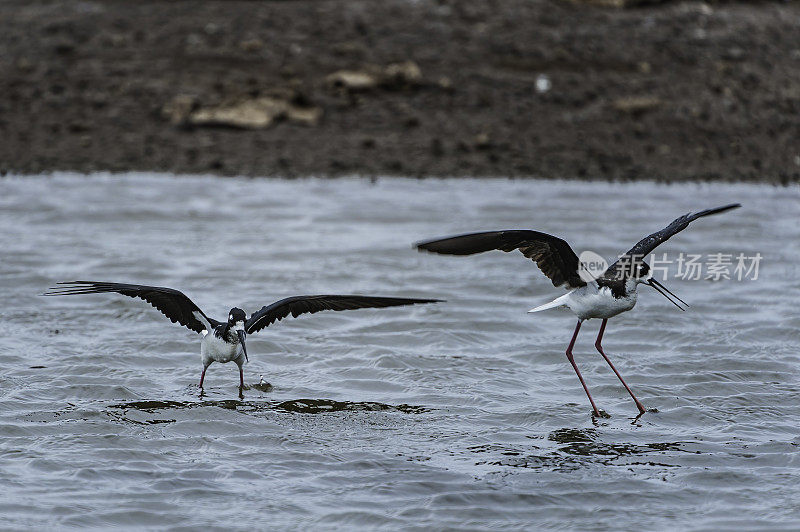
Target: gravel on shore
{"type": "Point", "coordinates": [669, 91]}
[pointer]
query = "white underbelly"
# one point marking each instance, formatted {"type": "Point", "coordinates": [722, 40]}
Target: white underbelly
{"type": "Point", "coordinates": [217, 350]}
{"type": "Point", "coordinates": [599, 303]}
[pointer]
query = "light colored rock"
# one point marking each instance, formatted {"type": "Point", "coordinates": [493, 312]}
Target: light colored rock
{"type": "Point", "coordinates": [392, 76]}
{"type": "Point", "coordinates": [251, 45]}
{"type": "Point", "coordinates": [405, 73]}
{"type": "Point", "coordinates": [308, 116]}
{"type": "Point", "coordinates": [246, 114]}
{"type": "Point", "coordinates": [637, 104]}
{"type": "Point", "coordinates": [543, 84]}
{"type": "Point", "coordinates": [355, 80]}
{"type": "Point", "coordinates": [250, 113]}
{"type": "Point", "coordinates": [482, 141]}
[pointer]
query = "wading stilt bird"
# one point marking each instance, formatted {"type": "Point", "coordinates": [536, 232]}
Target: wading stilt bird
{"type": "Point", "coordinates": [612, 293]}
{"type": "Point", "coordinates": [224, 341]}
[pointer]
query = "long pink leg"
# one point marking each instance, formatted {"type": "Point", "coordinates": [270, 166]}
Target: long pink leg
{"type": "Point", "coordinates": [577, 371]}
{"type": "Point", "coordinates": [203, 376]}
{"type": "Point", "coordinates": [600, 348]}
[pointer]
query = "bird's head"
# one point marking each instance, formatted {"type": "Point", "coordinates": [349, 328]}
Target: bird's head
{"type": "Point", "coordinates": [236, 319]}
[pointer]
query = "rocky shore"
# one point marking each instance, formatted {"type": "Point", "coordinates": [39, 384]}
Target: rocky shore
{"type": "Point", "coordinates": [603, 89]}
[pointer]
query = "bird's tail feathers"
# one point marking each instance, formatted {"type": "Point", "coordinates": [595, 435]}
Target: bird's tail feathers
{"type": "Point", "coordinates": [557, 302]}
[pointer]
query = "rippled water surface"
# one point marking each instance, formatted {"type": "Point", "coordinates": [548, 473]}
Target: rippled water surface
{"type": "Point", "coordinates": [461, 415]}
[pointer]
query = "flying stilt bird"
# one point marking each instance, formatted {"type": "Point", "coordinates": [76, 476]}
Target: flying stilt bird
{"type": "Point", "coordinates": [603, 297]}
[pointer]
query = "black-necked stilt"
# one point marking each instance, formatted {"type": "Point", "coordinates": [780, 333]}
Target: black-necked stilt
{"type": "Point", "coordinates": [225, 341]}
{"type": "Point", "coordinates": [612, 293]}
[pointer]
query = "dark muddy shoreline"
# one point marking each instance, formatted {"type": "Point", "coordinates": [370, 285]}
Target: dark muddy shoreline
{"type": "Point", "coordinates": [669, 91]}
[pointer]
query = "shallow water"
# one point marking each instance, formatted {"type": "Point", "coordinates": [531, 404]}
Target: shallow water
{"type": "Point", "coordinates": [459, 415]}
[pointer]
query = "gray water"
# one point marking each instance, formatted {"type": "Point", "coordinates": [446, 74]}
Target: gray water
{"type": "Point", "coordinates": [461, 415]}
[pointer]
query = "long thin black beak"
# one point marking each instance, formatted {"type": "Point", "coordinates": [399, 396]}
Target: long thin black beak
{"type": "Point", "coordinates": [661, 289]}
{"type": "Point", "coordinates": [242, 335]}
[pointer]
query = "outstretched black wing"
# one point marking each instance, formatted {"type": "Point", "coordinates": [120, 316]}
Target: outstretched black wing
{"type": "Point", "coordinates": [172, 303]}
{"type": "Point", "coordinates": [297, 305]}
{"type": "Point", "coordinates": [553, 255]}
{"type": "Point", "coordinates": [651, 242]}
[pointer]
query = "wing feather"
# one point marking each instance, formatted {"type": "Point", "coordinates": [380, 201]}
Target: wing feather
{"type": "Point", "coordinates": [651, 242]}
{"type": "Point", "coordinates": [552, 255]}
{"type": "Point", "coordinates": [172, 303]}
{"type": "Point", "coordinates": [297, 305]}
